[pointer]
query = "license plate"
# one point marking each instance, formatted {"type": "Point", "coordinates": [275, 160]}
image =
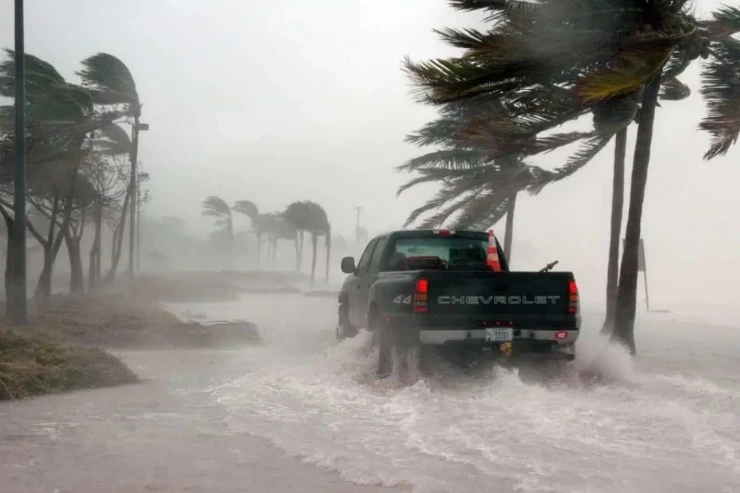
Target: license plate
{"type": "Point", "coordinates": [499, 335]}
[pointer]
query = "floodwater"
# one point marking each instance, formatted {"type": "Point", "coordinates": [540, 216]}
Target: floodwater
{"type": "Point", "coordinates": [304, 413]}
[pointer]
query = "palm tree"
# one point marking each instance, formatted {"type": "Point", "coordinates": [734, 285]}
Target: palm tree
{"type": "Point", "coordinates": [310, 217]}
{"type": "Point", "coordinates": [250, 209]}
{"type": "Point", "coordinates": [110, 83]}
{"type": "Point", "coordinates": [602, 51]}
{"type": "Point", "coordinates": [217, 208]}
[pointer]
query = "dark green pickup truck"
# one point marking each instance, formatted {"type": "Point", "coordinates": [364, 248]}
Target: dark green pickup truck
{"type": "Point", "coordinates": [424, 288]}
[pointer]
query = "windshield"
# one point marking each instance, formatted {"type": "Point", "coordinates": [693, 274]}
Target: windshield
{"type": "Point", "coordinates": [449, 252]}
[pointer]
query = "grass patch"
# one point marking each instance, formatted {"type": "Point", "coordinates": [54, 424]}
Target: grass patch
{"type": "Point", "coordinates": [30, 367]}
{"type": "Point", "coordinates": [128, 323]}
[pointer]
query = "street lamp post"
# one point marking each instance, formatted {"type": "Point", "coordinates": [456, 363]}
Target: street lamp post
{"type": "Point", "coordinates": [18, 303]}
{"type": "Point", "coordinates": [135, 129]}
{"type": "Point", "coordinates": [142, 177]}
{"type": "Point", "coordinates": [357, 225]}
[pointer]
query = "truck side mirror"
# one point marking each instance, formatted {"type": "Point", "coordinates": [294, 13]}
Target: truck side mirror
{"type": "Point", "coordinates": [348, 265]}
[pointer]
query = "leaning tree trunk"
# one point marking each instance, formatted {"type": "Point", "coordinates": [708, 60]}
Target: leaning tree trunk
{"type": "Point", "coordinates": [118, 240]}
{"type": "Point", "coordinates": [297, 253]}
{"type": "Point", "coordinates": [314, 242]}
{"type": "Point", "coordinates": [612, 270]}
{"type": "Point", "coordinates": [624, 326]}
{"type": "Point", "coordinates": [328, 256]}
{"type": "Point", "coordinates": [509, 238]}
{"type": "Point", "coordinates": [259, 249]}
{"type": "Point", "coordinates": [299, 258]}
{"type": "Point", "coordinates": [96, 250]}
{"type": "Point", "coordinates": [76, 281]}
{"type": "Point", "coordinates": [51, 248]}
{"type": "Point", "coordinates": [10, 257]}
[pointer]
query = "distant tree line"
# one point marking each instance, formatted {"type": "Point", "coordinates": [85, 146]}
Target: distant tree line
{"type": "Point", "coordinates": [297, 220]}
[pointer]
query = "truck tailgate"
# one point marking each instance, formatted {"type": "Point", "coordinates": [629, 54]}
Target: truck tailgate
{"type": "Point", "coordinates": [514, 298]}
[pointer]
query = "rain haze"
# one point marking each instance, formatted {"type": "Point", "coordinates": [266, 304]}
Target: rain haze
{"type": "Point", "coordinates": [279, 101]}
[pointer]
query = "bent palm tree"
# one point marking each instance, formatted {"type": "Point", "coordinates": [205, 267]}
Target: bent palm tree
{"type": "Point", "coordinates": [110, 83]}
{"type": "Point", "coordinates": [310, 217]}
{"type": "Point", "coordinates": [250, 209]}
{"type": "Point", "coordinates": [217, 208]}
{"type": "Point", "coordinates": [602, 50]}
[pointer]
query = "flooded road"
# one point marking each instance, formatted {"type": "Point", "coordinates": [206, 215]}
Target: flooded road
{"type": "Point", "coordinates": [303, 413]}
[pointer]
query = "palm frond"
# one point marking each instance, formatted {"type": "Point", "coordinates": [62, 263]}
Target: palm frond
{"type": "Point", "coordinates": [443, 214]}
{"type": "Point", "coordinates": [112, 140]}
{"type": "Point", "coordinates": [581, 158]}
{"type": "Point", "coordinates": [483, 211]}
{"type": "Point", "coordinates": [215, 206]}
{"type": "Point", "coordinates": [721, 90]}
{"type": "Point", "coordinates": [110, 79]}
{"type": "Point", "coordinates": [725, 22]}
{"type": "Point", "coordinates": [248, 208]}
{"type": "Point", "coordinates": [672, 89]}
{"type": "Point", "coordinates": [446, 159]}
{"type": "Point", "coordinates": [635, 64]}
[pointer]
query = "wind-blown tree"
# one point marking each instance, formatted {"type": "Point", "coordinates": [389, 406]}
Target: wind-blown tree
{"type": "Point", "coordinates": [217, 208]}
{"type": "Point", "coordinates": [601, 51]}
{"type": "Point", "coordinates": [250, 209]}
{"type": "Point", "coordinates": [110, 146]}
{"type": "Point", "coordinates": [276, 228]}
{"type": "Point", "coordinates": [112, 86]}
{"type": "Point", "coordinates": [310, 217]}
{"type": "Point", "coordinates": [84, 201]}
{"type": "Point", "coordinates": [59, 117]}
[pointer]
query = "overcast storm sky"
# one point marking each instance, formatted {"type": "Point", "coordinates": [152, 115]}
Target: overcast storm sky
{"type": "Point", "coordinates": [275, 101]}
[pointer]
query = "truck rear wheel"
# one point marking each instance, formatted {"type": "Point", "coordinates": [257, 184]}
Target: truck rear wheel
{"type": "Point", "coordinates": [344, 329]}
{"type": "Point", "coordinates": [384, 336]}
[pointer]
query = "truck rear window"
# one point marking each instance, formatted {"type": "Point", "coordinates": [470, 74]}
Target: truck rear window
{"type": "Point", "coordinates": [445, 252]}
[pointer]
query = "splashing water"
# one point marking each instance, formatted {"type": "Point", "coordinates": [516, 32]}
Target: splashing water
{"type": "Point", "coordinates": [667, 421]}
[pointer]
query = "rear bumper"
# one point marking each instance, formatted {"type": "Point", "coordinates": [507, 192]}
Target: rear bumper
{"type": "Point", "coordinates": [438, 337]}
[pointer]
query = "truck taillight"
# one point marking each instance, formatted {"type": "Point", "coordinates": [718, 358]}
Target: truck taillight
{"type": "Point", "coordinates": [420, 296]}
{"type": "Point", "coordinates": [572, 296]}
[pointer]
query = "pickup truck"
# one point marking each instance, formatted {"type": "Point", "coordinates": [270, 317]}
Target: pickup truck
{"type": "Point", "coordinates": [439, 288]}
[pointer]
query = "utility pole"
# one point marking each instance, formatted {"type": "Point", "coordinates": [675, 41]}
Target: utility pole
{"type": "Point", "coordinates": [18, 303]}
{"type": "Point", "coordinates": [142, 177]}
{"type": "Point", "coordinates": [357, 225]}
{"type": "Point", "coordinates": [136, 127]}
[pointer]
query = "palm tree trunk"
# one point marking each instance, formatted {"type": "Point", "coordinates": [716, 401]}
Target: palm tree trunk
{"type": "Point", "coordinates": [259, 249]}
{"type": "Point", "coordinates": [509, 238]}
{"type": "Point", "coordinates": [96, 250]}
{"type": "Point", "coordinates": [300, 251]}
{"type": "Point", "coordinates": [297, 253]}
{"type": "Point", "coordinates": [118, 239]}
{"type": "Point", "coordinates": [314, 241]}
{"type": "Point", "coordinates": [612, 270]}
{"type": "Point", "coordinates": [328, 256]}
{"type": "Point", "coordinates": [624, 327]}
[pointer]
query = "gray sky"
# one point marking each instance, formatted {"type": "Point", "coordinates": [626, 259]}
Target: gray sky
{"type": "Point", "coordinates": [285, 100]}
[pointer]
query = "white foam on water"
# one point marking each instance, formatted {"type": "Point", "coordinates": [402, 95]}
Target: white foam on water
{"type": "Point", "coordinates": [610, 424]}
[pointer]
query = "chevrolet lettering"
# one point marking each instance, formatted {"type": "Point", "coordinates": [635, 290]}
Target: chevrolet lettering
{"type": "Point", "coordinates": [498, 300]}
{"type": "Point", "coordinates": [452, 292]}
